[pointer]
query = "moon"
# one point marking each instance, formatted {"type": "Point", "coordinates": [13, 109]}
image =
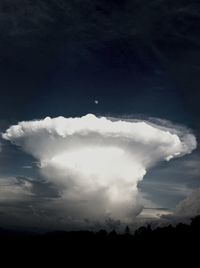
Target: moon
{"type": "Point", "coordinates": [96, 102]}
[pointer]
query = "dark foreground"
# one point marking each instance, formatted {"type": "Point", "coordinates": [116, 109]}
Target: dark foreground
{"type": "Point", "coordinates": [168, 243]}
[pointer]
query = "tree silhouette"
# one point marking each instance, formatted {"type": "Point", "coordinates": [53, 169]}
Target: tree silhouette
{"type": "Point", "coordinates": [127, 230]}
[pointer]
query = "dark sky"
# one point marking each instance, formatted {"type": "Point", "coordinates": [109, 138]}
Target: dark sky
{"type": "Point", "coordinates": [138, 58]}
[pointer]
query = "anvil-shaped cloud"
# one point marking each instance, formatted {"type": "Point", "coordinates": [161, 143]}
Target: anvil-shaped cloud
{"type": "Point", "coordinates": [97, 163]}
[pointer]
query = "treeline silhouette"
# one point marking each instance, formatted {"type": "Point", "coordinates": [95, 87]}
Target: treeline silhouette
{"type": "Point", "coordinates": [179, 231]}
{"type": "Point", "coordinates": [177, 241]}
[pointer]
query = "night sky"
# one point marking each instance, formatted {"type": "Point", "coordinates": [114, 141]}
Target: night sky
{"type": "Point", "coordinates": [131, 59]}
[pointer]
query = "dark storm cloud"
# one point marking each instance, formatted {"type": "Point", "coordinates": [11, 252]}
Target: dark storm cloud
{"type": "Point", "coordinates": [187, 209]}
{"type": "Point", "coordinates": [26, 202]}
{"type": "Point", "coordinates": [190, 206]}
{"type": "Point", "coordinates": [39, 188]}
{"type": "Point", "coordinates": [29, 187]}
{"type": "Point", "coordinates": [168, 185]}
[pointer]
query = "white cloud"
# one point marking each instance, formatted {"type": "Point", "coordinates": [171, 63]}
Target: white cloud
{"type": "Point", "coordinates": [97, 163]}
{"type": "Point", "coordinates": [154, 213]}
{"type": "Point", "coordinates": [27, 167]}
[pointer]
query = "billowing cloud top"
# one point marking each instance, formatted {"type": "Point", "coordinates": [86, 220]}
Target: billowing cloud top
{"type": "Point", "coordinates": [97, 162]}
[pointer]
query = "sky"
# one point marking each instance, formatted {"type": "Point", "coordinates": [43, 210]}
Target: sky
{"type": "Point", "coordinates": [65, 65]}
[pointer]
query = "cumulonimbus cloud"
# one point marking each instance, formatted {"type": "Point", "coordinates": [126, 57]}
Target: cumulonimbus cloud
{"type": "Point", "coordinates": [97, 163]}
